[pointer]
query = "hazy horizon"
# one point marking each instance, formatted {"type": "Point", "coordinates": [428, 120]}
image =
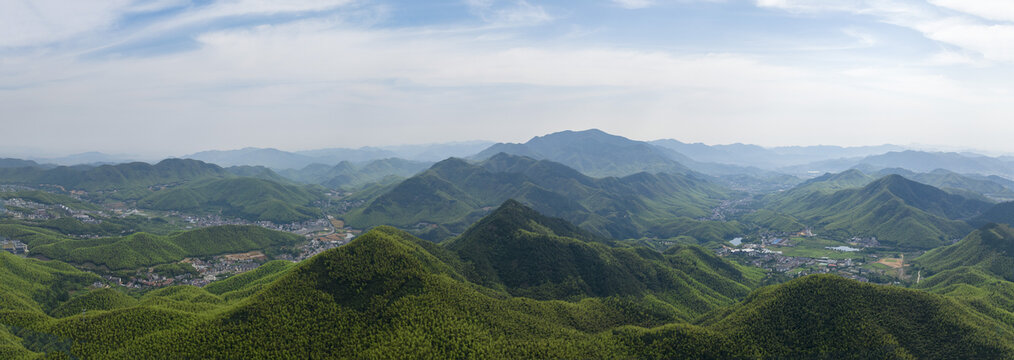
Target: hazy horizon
{"type": "Point", "coordinates": [150, 157]}
{"type": "Point", "coordinates": [174, 77]}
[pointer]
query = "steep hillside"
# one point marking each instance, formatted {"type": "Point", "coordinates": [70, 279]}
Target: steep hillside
{"type": "Point", "coordinates": [999, 213]}
{"type": "Point", "coordinates": [530, 255]}
{"type": "Point", "coordinates": [896, 210]}
{"type": "Point", "coordinates": [956, 183]}
{"type": "Point", "coordinates": [383, 295]}
{"type": "Point", "coordinates": [389, 295]}
{"type": "Point", "coordinates": [990, 248]}
{"type": "Point", "coordinates": [827, 316]}
{"type": "Point", "coordinates": [247, 198]}
{"type": "Point", "coordinates": [454, 193]}
{"type": "Point", "coordinates": [29, 285]}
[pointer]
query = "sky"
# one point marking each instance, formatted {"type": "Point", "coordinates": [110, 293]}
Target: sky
{"type": "Point", "coordinates": [173, 77]}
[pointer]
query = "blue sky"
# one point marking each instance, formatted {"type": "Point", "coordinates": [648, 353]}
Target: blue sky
{"type": "Point", "coordinates": [171, 77]}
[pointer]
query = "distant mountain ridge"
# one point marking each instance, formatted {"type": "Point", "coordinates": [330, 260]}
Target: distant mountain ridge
{"type": "Point", "coordinates": [350, 175]}
{"type": "Point", "coordinates": [128, 175]}
{"type": "Point", "coordinates": [915, 161]}
{"type": "Point", "coordinates": [769, 158]}
{"type": "Point", "coordinates": [593, 152]}
{"type": "Point", "coordinates": [454, 191]}
{"type": "Point", "coordinates": [282, 160]}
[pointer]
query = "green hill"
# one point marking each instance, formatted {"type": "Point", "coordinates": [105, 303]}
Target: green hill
{"type": "Point", "coordinates": [896, 210]}
{"type": "Point", "coordinates": [389, 295]}
{"type": "Point", "coordinates": [143, 249]}
{"type": "Point", "coordinates": [247, 198]}
{"type": "Point", "coordinates": [258, 172]}
{"type": "Point", "coordinates": [828, 317]}
{"type": "Point", "coordinates": [114, 177]}
{"type": "Point", "coordinates": [455, 193]}
{"type": "Point", "coordinates": [999, 213]}
{"type": "Point", "coordinates": [990, 248]}
{"type": "Point", "coordinates": [796, 198]}
{"type": "Point", "coordinates": [99, 299]}
{"type": "Point", "coordinates": [383, 295]}
{"type": "Point", "coordinates": [956, 183]}
{"type": "Point", "coordinates": [531, 255]}
{"type": "Point", "coordinates": [34, 285]}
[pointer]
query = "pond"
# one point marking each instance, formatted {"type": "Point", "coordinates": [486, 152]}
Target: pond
{"type": "Point", "coordinates": [842, 248]}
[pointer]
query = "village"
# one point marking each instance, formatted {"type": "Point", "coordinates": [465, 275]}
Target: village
{"type": "Point", "coordinates": [321, 234]}
{"type": "Point", "coordinates": [803, 253]}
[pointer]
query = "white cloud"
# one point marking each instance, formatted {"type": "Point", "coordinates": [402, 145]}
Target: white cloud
{"type": "Point", "coordinates": [634, 4]}
{"type": "Point", "coordinates": [994, 41]}
{"type": "Point", "coordinates": [359, 87]}
{"type": "Point", "coordinates": [39, 22]}
{"type": "Point", "coordinates": [325, 82]}
{"type": "Point", "coordinates": [513, 13]}
{"type": "Point", "coordinates": [998, 10]}
{"type": "Point", "coordinates": [945, 58]}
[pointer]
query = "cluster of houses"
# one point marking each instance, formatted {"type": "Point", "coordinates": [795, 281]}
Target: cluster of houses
{"type": "Point", "coordinates": [13, 246]}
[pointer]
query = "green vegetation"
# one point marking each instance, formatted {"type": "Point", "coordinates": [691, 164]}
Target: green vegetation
{"type": "Point", "coordinates": [113, 177]}
{"type": "Point", "coordinates": [99, 299]}
{"type": "Point", "coordinates": [897, 211]}
{"type": "Point", "coordinates": [245, 284]}
{"type": "Point", "coordinates": [33, 285]}
{"type": "Point", "coordinates": [768, 219]}
{"type": "Point", "coordinates": [957, 184]}
{"type": "Point", "coordinates": [516, 284]}
{"type": "Point", "coordinates": [999, 213]}
{"type": "Point", "coordinates": [990, 248]}
{"type": "Point", "coordinates": [247, 198]}
{"type": "Point", "coordinates": [825, 316]}
{"type": "Point", "coordinates": [346, 175]}
{"type": "Point", "coordinates": [527, 254]}
{"type": "Point", "coordinates": [387, 295]}
{"type": "Point", "coordinates": [46, 198]}
{"type": "Point", "coordinates": [143, 249]}
{"type": "Point", "coordinates": [703, 231]}
{"type": "Point", "coordinates": [454, 194]}
{"type": "Point", "coordinates": [817, 248]}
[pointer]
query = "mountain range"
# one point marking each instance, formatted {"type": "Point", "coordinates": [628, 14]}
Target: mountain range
{"type": "Point", "coordinates": [896, 210]}
{"type": "Point", "coordinates": [282, 160]}
{"type": "Point", "coordinates": [352, 175]}
{"type": "Point", "coordinates": [388, 294]}
{"type": "Point", "coordinates": [770, 158]}
{"type": "Point", "coordinates": [454, 193]}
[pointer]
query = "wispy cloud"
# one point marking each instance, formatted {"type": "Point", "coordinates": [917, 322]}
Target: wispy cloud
{"type": "Point", "coordinates": [968, 25]}
{"type": "Point", "coordinates": [37, 22]}
{"type": "Point", "coordinates": [634, 4]}
{"type": "Point", "coordinates": [509, 13]}
{"type": "Point", "coordinates": [264, 73]}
